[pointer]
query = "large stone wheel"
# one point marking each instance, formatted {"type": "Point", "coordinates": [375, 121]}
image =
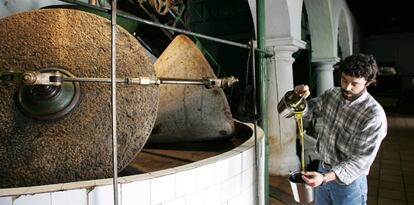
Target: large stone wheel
{"type": "Point", "coordinates": [77, 146]}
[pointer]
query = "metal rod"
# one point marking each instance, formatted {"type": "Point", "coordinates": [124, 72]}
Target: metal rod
{"type": "Point", "coordinates": [151, 23]}
{"type": "Point", "coordinates": [261, 40]}
{"type": "Point", "coordinates": [93, 80]}
{"type": "Point", "coordinates": [186, 82]}
{"type": "Point", "coordinates": [256, 151]}
{"type": "Point", "coordinates": [114, 114]}
{"type": "Point", "coordinates": [136, 80]}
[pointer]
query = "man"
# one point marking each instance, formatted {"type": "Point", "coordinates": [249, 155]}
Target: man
{"type": "Point", "coordinates": [354, 124]}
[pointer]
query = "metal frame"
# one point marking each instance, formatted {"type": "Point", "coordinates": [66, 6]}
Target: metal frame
{"type": "Point", "coordinates": [151, 23]}
{"type": "Point", "coordinates": [263, 54]}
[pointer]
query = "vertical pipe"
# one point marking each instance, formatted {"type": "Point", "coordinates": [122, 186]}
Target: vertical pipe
{"type": "Point", "coordinates": [256, 148]}
{"type": "Point", "coordinates": [261, 40]}
{"type": "Point", "coordinates": [113, 92]}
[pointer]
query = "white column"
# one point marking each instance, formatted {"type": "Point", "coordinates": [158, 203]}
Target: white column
{"type": "Point", "coordinates": [324, 74]}
{"type": "Point", "coordinates": [281, 131]}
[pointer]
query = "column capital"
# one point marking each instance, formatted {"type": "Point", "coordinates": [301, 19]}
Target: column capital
{"type": "Point", "coordinates": [322, 61]}
{"type": "Point", "coordinates": [285, 41]}
{"type": "Point", "coordinates": [325, 64]}
{"type": "Point", "coordinates": [283, 48]}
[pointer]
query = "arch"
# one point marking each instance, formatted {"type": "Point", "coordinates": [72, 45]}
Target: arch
{"type": "Point", "coordinates": [324, 45]}
{"type": "Point", "coordinates": [283, 18]}
{"type": "Point", "coordinates": [344, 34]}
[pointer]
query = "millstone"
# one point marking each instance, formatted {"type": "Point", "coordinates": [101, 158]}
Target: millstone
{"type": "Point", "coordinates": [189, 113]}
{"type": "Point", "coordinates": [77, 146]}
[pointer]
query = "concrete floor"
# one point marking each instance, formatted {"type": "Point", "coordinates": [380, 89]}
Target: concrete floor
{"type": "Point", "coordinates": [391, 179]}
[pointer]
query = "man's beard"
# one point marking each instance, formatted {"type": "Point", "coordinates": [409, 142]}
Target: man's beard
{"type": "Point", "coordinates": [350, 96]}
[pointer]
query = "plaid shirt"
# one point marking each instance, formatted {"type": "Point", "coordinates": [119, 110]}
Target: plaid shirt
{"type": "Point", "coordinates": [351, 133]}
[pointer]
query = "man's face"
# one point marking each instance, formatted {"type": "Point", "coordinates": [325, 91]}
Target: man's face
{"type": "Point", "coordinates": [352, 87]}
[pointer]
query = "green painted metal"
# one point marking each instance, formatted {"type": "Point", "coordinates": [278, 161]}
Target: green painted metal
{"type": "Point", "coordinates": [261, 40]}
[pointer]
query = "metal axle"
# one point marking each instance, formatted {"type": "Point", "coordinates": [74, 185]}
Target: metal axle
{"type": "Point", "coordinates": [55, 78]}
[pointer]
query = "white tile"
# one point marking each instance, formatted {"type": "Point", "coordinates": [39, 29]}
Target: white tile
{"type": "Point", "coordinates": [213, 195]}
{"type": "Point", "coordinates": [138, 192]}
{"type": "Point", "coordinates": [205, 176]}
{"type": "Point", "coordinates": [238, 200]}
{"type": "Point", "coordinates": [197, 198]}
{"type": "Point", "coordinates": [247, 197]}
{"type": "Point", "coordinates": [103, 195]}
{"type": "Point", "coordinates": [231, 188]}
{"type": "Point", "coordinates": [222, 169]}
{"type": "Point", "coordinates": [236, 164]}
{"type": "Point", "coordinates": [37, 199]}
{"type": "Point", "coordinates": [6, 200]}
{"type": "Point", "coordinates": [228, 168]}
{"type": "Point", "coordinates": [162, 189]}
{"type": "Point", "coordinates": [175, 202]}
{"type": "Point", "coordinates": [248, 158]}
{"type": "Point", "coordinates": [70, 197]}
{"type": "Point", "coordinates": [248, 177]}
{"type": "Point", "coordinates": [185, 182]}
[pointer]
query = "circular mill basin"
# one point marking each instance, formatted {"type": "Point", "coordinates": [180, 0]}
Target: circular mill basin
{"type": "Point", "coordinates": [225, 172]}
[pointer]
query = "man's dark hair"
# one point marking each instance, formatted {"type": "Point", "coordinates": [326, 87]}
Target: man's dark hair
{"type": "Point", "coordinates": [360, 65]}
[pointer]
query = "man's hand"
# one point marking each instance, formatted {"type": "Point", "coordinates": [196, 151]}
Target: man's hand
{"type": "Point", "coordinates": [313, 179]}
{"type": "Point", "coordinates": [302, 90]}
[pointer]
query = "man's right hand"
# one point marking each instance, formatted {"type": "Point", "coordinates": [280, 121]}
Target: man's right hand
{"type": "Point", "coordinates": [313, 179]}
{"type": "Point", "coordinates": [302, 90]}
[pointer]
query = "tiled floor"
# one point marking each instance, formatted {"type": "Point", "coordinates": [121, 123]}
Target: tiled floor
{"type": "Point", "coordinates": [391, 179]}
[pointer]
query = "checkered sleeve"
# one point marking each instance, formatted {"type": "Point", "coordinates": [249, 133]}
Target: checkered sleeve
{"type": "Point", "coordinates": [363, 152]}
{"type": "Point", "coordinates": [314, 108]}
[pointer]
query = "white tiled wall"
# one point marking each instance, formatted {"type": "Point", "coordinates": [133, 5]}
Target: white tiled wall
{"type": "Point", "coordinates": [186, 182]}
{"type": "Point", "coordinates": [136, 191]}
{"type": "Point", "coordinates": [36, 199]}
{"type": "Point", "coordinates": [102, 195]}
{"type": "Point", "coordinates": [227, 179]}
{"type": "Point", "coordinates": [163, 188]}
{"type": "Point", "coordinates": [6, 200]}
{"type": "Point", "coordinates": [196, 198]}
{"type": "Point", "coordinates": [69, 197]}
{"type": "Point", "coordinates": [205, 176]}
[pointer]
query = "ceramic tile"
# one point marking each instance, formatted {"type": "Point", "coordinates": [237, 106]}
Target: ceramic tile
{"type": "Point", "coordinates": [246, 197]}
{"type": "Point", "coordinates": [213, 195]}
{"type": "Point", "coordinates": [175, 202]}
{"type": "Point", "coordinates": [186, 182]}
{"type": "Point", "coordinates": [205, 176]}
{"type": "Point", "coordinates": [230, 188]}
{"type": "Point", "coordinates": [69, 197]}
{"type": "Point", "coordinates": [7, 200]}
{"type": "Point", "coordinates": [248, 158]}
{"type": "Point", "coordinates": [162, 189]}
{"type": "Point", "coordinates": [37, 199]}
{"type": "Point", "coordinates": [197, 198]}
{"type": "Point", "coordinates": [137, 192]}
{"type": "Point", "coordinates": [248, 177]}
{"type": "Point", "coordinates": [228, 167]}
{"type": "Point", "coordinates": [103, 195]}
